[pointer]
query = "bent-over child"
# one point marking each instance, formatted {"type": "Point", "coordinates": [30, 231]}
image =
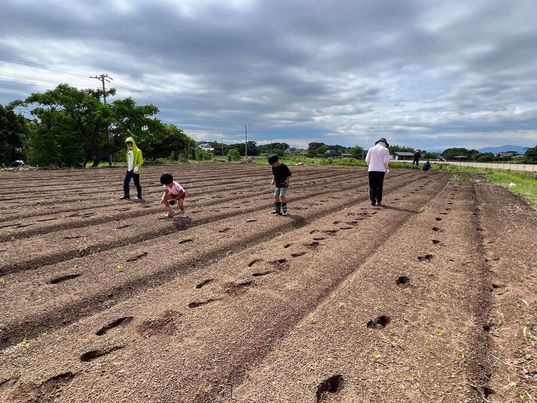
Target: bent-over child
{"type": "Point", "coordinates": [280, 180]}
{"type": "Point", "coordinates": [173, 193]}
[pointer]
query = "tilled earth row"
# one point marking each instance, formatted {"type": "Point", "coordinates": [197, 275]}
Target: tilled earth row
{"type": "Point", "coordinates": [341, 301]}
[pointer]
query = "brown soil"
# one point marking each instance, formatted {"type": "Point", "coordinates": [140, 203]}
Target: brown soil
{"type": "Point", "coordinates": [429, 298]}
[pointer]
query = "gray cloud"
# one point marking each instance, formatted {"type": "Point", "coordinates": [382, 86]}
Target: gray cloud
{"type": "Point", "coordinates": [339, 71]}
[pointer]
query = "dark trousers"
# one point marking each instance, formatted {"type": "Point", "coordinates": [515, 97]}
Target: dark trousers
{"type": "Point", "coordinates": [376, 181]}
{"type": "Point", "coordinates": [416, 161]}
{"type": "Point", "coordinates": [127, 181]}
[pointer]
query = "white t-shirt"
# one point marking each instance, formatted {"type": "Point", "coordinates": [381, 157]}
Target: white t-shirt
{"type": "Point", "coordinates": [376, 157]}
{"type": "Point", "coordinates": [130, 160]}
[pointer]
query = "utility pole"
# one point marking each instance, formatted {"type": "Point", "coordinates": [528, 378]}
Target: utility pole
{"type": "Point", "coordinates": [107, 78]}
{"type": "Point", "coordinates": [245, 141]}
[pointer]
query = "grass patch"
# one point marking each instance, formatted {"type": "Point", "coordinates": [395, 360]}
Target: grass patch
{"type": "Point", "coordinates": [522, 183]}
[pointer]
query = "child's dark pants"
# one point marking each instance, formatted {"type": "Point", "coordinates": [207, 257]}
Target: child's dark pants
{"type": "Point", "coordinates": [127, 181]}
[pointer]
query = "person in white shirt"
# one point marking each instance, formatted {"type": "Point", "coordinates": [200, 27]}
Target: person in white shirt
{"type": "Point", "coordinates": [377, 160]}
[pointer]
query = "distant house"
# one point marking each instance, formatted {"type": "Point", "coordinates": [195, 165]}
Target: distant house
{"type": "Point", "coordinates": [404, 156]}
{"type": "Point", "coordinates": [206, 147]}
{"type": "Point", "coordinates": [331, 153]}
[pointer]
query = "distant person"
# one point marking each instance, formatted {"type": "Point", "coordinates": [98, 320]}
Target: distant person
{"type": "Point", "coordinates": [134, 168]}
{"type": "Point", "coordinates": [426, 166]}
{"type": "Point", "coordinates": [417, 156]}
{"type": "Point", "coordinates": [377, 159]}
{"type": "Point", "coordinates": [280, 180]}
{"type": "Point", "coordinates": [173, 193]}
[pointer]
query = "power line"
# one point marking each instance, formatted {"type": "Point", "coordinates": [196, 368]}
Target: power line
{"type": "Point", "coordinates": [28, 63]}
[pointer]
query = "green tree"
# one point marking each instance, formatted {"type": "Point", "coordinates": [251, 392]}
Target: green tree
{"type": "Point", "coordinates": [530, 156]}
{"type": "Point", "coordinates": [13, 133]}
{"type": "Point", "coordinates": [69, 126]}
{"type": "Point", "coordinates": [357, 152]}
{"type": "Point", "coordinates": [234, 154]}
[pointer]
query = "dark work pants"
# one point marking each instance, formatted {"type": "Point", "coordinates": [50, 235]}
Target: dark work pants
{"type": "Point", "coordinates": [127, 181]}
{"type": "Point", "coordinates": [376, 181]}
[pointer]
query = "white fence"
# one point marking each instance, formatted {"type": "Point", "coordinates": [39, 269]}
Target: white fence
{"type": "Point", "coordinates": [494, 165]}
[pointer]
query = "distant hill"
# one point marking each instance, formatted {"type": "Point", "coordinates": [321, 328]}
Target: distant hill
{"type": "Point", "coordinates": [502, 149]}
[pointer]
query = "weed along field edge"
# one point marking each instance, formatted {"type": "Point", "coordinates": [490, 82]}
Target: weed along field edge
{"type": "Point", "coordinates": [431, 296]}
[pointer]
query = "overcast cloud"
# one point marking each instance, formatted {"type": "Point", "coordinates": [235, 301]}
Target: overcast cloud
{"type": "Point", "coordinates": [423, 73]}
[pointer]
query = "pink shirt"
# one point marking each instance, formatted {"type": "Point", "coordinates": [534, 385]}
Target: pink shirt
{"type": "Point", "coordinates": [174, 189]}
{"type": "Point", "coordinates": [377, 157]}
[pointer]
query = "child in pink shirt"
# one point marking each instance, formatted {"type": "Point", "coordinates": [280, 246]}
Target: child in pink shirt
{"type": "Point", "coordinates": [173, 192]}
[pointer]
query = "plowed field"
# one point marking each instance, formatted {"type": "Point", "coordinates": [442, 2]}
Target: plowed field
{"type": "Point", "coordinates": [430, 298]}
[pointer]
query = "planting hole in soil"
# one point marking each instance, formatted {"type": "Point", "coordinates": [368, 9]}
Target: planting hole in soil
{"type": "Point", "coordinates": [435, 241]}
{"type": "Point", "coordinates": [438, 219]}
{"type": "Point", "coordinates": [204, 282]}
{"type": "Point", "coordinates": [297, 254]}
{"type": "Point", "coordinates": [487, 392]}
{"type": "Point", "coordinates": [254, 261]}
{"type": "Point", "coordinates": [287, 245]}
{"type": "Point", "coordinates": [64, 278]}
{"type": "Point", "coordinates": [402, 280]}
{"type": "Point", "coordinates": [487, 328]}
{"type": "Point", "coordinates": [118, 322]}
{"type": "Point", "coordinates": [251, 220]}
{"type": "Point", "coordinates": [436, 229]}
{"type": "Point", "coordinates": [72, 237]}
{"type": "Point", "coordinates": [319, 239]}
{"type": "Point", "coordinates": [94, 354]}
{"type": "Point", "coordinates": [123, 226]}
{"type": "Point", "coordinates": [427, 258]}
{"type": "Point", "coordinates": [238, 288]}
{"type": "Point", "coordinates": [195, 304]}
{"type": "Point", "coordinates": [186, 241]}
{"type": "Point", "coordinates": [330, 231]}
{"type": "Point", "coordinates": [345, 228]}
{"type": "Point", "coordinates": [331, 385]}
{"type": "Point", "coordinates": [165, 325]}
{"type": "Point", "coordinates": [224, 230]}
{"type": "Point", "coordinates": [313, 245]}
{"type": "Point", "coordinates": [134, 258]}
{"type": "Point", "coordinates": [279, 262]}
{"type": "Point", "coordinates": [262, 273]}
{"type": "Point", "coordinates": [379, 323]}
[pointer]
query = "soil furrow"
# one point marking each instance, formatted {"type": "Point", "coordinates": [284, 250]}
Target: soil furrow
{"type": "Point", "coordinates": [91, 243]}
{"type": "Point", "coordinates": [194, 192]}
{"type": "Point", "coordinates": [197, 335]}
{"type": "Point", "coordinates": [70, 311]}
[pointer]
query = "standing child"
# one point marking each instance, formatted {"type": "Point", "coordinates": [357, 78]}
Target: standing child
{"type": "Point", "coordinates": [280, 181]}
{"type": "Point", "coordinates": [173, 192]}
{"type": "Point", "coordinates": [134, 168]}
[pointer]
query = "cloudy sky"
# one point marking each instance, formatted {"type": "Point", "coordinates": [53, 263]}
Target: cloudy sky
{"type": "Point", "coordinates": [429, 74]}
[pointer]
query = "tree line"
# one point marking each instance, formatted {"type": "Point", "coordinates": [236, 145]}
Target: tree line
{"type": "Point", "coordinates": [69, 127]}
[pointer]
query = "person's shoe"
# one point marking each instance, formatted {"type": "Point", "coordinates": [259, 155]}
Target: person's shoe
{"type": "Point", "coordinates": [139, 199]}
{"type": "Point", "coordinates": [124, 197]}
{"type": "Point", "coordinates": [274, 211]}
{"type": "Point", "coordinates": [170, 214]}
{"type": "Point", "coordinates": [373, 203]}
{"type": "Point", "coordinates": [284, 212]}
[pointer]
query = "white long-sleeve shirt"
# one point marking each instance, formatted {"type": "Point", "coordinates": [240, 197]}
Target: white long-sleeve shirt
{"type": "Point", "coordinates": [377, 158]}
{"type": "Point", "coordinates": [130, 160]}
